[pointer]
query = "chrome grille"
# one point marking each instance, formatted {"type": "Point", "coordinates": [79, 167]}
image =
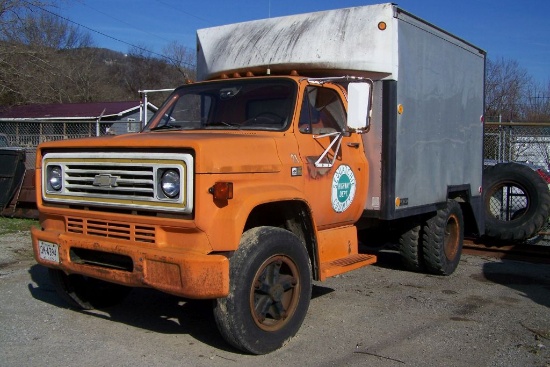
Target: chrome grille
{"type": "Point", "coordinates": [118, 180]}
{"type": "Point", "coordinates": [121, 180]}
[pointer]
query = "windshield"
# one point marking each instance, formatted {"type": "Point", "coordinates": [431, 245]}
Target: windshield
{"type": "Point", "coordinates": [235, 104]}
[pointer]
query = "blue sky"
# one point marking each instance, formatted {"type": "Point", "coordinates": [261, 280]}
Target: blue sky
{"type": "Point", "coordinates": [510, 29]}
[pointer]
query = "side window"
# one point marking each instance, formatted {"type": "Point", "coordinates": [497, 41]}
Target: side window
{"type": "Point", "coordinates": [322, 111]}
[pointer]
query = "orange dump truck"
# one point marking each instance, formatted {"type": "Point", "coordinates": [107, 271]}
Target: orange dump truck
{"type": "Point", "coordinates": [251, 183]}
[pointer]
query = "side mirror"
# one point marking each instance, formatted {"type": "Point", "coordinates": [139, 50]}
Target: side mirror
{"type": "Point", "coordinates": [359, 106]}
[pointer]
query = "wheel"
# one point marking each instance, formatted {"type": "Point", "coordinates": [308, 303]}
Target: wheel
{"type": "Point", "coordinates": [516, 202]}
{"type": "Point", "coordinates": [270, 290]}
{"type": "Point", "coordinates": [86, 293]}
{"type": "Point", "coordinates": [443, 238]}
{"type": "Point", "coordinates": [410, 248]}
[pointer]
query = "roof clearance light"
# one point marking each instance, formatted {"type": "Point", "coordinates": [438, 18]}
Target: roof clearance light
{"type": "Point", "coordinates": [382, 26]}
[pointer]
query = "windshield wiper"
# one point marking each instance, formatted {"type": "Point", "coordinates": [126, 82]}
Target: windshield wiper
{"type": "Point", "coordinates": [217, 124]}
{"type": "Point", "coordinates": [166, 127]}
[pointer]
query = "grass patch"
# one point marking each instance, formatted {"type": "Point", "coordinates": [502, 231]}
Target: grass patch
{"type": "Point", "coordinates": [14, 225]}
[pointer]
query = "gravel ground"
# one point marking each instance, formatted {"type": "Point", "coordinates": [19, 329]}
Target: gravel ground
{"type": "Point", "coordinates": [489, 313]}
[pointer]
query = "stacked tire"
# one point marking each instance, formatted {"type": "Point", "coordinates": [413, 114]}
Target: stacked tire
{"type": "Point", "coordinates": [516, 202]}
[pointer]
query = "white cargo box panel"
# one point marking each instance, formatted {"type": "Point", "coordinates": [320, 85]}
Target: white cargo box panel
{"type": "Point", "coordinates": [314, 43]}
{"type": "Point", "coordinates": [426, 137]}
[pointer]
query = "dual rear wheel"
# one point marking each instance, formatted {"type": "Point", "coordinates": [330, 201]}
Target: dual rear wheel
{"type": "Point", "coordinates": [434, 245]}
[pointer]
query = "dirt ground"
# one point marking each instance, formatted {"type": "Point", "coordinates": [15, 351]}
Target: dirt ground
{"type": "Point", "coordinates": [489, 313]}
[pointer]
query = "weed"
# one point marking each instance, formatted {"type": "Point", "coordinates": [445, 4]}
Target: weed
{"type": "Point", "coordinates": [14, 225]}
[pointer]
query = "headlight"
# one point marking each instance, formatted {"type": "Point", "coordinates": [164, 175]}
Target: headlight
{"type": "Point", "coordinates": [170, 183]}
{"type": "Point", "coordinates": [55, 178]}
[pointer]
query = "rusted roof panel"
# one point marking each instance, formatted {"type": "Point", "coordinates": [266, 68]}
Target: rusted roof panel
{"type": "Point", "coordinates": [67, 110]}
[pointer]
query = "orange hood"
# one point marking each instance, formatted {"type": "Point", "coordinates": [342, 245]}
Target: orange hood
{"type": "Point", "coordinates": [214, 152]}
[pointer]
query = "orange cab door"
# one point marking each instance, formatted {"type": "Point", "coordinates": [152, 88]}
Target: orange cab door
{"type": "Point", "coordinates": [335, 167]}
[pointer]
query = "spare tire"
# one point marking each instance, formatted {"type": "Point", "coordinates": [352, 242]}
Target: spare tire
{"type": "Point", "coordinates": [516, 202]}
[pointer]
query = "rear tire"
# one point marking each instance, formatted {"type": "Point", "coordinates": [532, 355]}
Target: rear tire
{"type": "Point", "coordinates": [443, 238]}
{"type": "Point", "coordinates": [85, 293]}
{"type": "Point", "coordinates": [410, 248]}
{"type": "Point", "coordinates": [269, 291]}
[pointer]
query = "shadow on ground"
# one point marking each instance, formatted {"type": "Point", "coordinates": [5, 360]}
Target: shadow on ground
{"type": "Point", "coordinates": [152, 310]}
{"type": "Point", "coordinates": [529, 280]}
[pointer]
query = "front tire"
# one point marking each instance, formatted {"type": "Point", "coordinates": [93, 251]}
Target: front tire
{"type": "Point", "coordinates": [269, 291]}
{"type": "Point", "coordinates": [443, 239]}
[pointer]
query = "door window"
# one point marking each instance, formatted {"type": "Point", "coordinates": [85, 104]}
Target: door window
{"type": "Point", "coordinates": [322, 111]}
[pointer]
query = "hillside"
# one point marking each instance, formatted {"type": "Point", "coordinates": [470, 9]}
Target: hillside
{"type": "Point", "coordinates": [45, 75]}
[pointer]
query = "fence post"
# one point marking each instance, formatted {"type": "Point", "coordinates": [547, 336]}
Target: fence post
{"type": "Point", "coordinates": [97, 122]}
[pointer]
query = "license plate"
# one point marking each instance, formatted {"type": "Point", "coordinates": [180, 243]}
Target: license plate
{"type": "Point", "coordinates": [48, 251]}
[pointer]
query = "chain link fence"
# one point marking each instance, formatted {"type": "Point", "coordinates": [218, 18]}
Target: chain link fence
{"type": "Point", "coordinates": [504, 142]}
{"type": "Point", "coordinates": [518, 142]}
{"type": "Point", "coordinates": [28, 134]}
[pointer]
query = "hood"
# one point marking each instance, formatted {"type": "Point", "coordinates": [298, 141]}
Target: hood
{"type": "Point", "coordinates": [214, 152]}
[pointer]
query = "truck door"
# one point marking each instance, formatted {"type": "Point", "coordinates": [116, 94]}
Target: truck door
{"type": "Point", "coordinates": [335, 167]}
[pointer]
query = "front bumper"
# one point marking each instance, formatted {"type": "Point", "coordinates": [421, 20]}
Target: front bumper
{"type": "Point", "coordinates": [185, 274]}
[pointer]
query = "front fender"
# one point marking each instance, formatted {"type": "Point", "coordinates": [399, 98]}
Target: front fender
{"type": "Point", "coordinates": [225, 225]}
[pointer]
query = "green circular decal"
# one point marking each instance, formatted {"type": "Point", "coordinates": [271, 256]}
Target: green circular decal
{"type": "Point", "coordinates": [343, 188]}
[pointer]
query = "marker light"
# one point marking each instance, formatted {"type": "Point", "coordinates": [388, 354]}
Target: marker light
{"type": "Point", "coordinates": [382, 26]}
{"type": "Point", "coordinates": [222, 190]}
{"type": "Point", "coordinates": [400, 109]}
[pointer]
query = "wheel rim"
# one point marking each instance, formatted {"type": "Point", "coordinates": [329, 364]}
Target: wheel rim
{"type": "Point", "coordinates": [275, 293]}
{"type": "Point", "coordinates": [452, 237]}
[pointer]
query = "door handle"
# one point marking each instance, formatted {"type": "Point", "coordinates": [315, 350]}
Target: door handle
{"type": "Point", "coordinates": [353, 145]}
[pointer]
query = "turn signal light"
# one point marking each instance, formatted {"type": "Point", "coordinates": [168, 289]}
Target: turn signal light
{"type": "Point", "coordinates": [222, 190]}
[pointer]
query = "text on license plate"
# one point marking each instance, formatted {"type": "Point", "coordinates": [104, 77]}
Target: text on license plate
{"type": "Point", "coordinates": [48, 251]}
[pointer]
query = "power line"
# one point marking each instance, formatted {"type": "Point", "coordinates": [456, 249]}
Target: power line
{"type": "Point", "coordinates": [122, 21]}
{"type": "Point", "coordinates": [182, 11]}
{"type": "Point", "coordinates": [111, 37]}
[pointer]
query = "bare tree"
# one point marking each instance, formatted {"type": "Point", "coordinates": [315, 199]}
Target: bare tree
{"type": "Point", "coordinates": [537, 103]}
{"type": "Point", "coordinates": [33, 67]}
{"type": "Point", "coordinates": [44, 29]}
{"type": "Point", "coordinates": [140, 70]}
{"type": "Point", "coordinates": [505, 88]}
{"type": "Point", "coordinates": [182, 58]}
{"type": "Point", "coordinates": [12, 11]}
